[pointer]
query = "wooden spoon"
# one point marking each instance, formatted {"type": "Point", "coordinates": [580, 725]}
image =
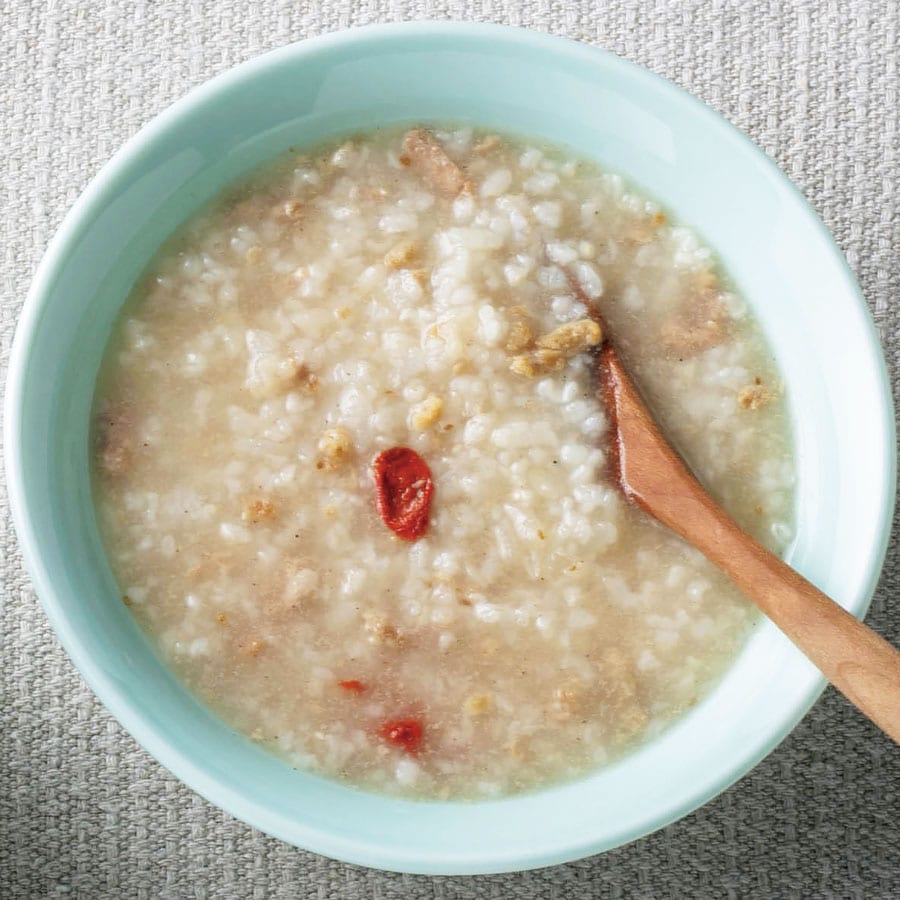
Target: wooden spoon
{"type": "Point", "coordinates": [857, 661]}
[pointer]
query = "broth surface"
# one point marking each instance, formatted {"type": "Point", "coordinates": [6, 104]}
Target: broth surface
{"type": "Point", "coordinates": [429, 290]}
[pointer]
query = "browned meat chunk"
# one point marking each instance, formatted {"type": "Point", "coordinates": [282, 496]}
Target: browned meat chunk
{"type": "Point", "coordinates": [519, 336]}
{"type": "Point", "coordinates": [423, 152]}
{"type": "Point", "coordinates": [554, 348]}
{"type": "Point", "coordinates": [258, 510]}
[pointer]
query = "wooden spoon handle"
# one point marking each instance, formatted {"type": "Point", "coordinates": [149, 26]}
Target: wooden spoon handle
{"type": "Point", "coordinates": [857, 661]}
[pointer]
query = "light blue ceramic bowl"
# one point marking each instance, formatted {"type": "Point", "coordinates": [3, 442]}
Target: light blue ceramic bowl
{"type": "Point", "coordinates": [632, 122]}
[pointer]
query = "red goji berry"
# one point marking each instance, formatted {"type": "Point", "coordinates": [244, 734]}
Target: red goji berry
{"type": "Point", "coordinates": [403, 491]}
{"type": "Point", "coordinates": [405, 733]}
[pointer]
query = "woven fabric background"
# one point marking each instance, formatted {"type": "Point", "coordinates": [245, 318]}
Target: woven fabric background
{"type": "Point", "coordinates": [84, 812]}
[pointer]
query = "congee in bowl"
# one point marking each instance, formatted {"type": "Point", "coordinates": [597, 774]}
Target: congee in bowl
{"type": "Point", "coordinates": [349, 461]}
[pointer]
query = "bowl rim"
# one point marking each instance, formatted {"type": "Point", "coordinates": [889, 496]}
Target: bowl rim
{"type": "Point", "coordinates": [157, 743]}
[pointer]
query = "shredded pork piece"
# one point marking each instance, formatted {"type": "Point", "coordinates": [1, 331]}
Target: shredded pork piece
{"type": "Point", "coordinates": [554, 348]}
{"type": "Point", "coordinates": [307, 379]}
{"type": "Point", "coordinates": [572, 337]}
{"type": "Point", "coordinates": [335, 448]}
{"type": "Point", "coordinates": [424, 153]}
{"type": "Point", "coordinates": [478, 704]}
{"type": "Point", "coordinates": [754, 396]}
{"type": "Point", "coordinates": [401, 256]}
{"type": "Point", "coordinates": [379, 631]}
{"type": "Point", "coordinates": [519, 337]}
{"type": "Point", "coordinates": [539, 362]}
{"type": "Point", "coordinates": [426, 413]}
{"type": "Point", "coordinates": [258, 510]}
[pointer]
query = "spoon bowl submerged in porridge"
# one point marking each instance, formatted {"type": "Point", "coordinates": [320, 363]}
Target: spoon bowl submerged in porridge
{"type": "Point", "coordinates": [428, 291]}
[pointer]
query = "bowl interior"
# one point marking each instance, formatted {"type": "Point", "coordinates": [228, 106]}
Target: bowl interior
{"type": "Point", "coordinates": [664, 142]}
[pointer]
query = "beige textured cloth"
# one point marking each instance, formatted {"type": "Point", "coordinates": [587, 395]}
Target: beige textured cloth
{"type": "Point", "coordinates": [85, 813]}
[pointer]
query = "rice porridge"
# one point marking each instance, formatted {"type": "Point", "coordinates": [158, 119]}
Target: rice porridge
{"type": "Point", "coordinates": [350, 462]}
